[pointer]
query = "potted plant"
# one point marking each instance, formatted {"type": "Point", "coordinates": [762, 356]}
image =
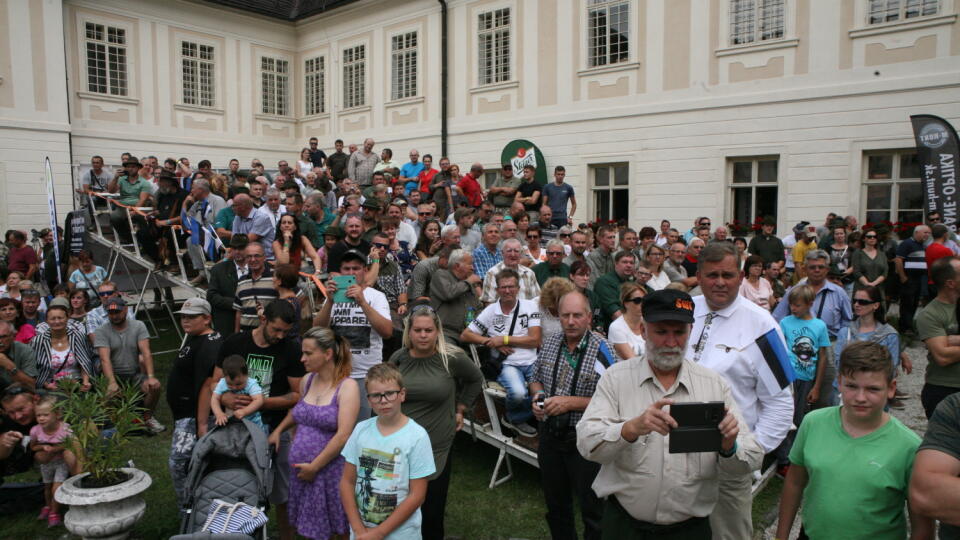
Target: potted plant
{"type": "Point", "coordinates": [104, 499]}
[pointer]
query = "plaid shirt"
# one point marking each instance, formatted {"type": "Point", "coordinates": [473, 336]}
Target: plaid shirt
{"type": "Point", "coordinates": [598, 352]}
{"type": "Point", "coordinates": [483, 260]}
{"type": "Point", "coordinates": [529, 288]}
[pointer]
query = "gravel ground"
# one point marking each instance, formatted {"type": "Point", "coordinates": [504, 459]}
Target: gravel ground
{"type": "Point", "coordinates": [911, 415]}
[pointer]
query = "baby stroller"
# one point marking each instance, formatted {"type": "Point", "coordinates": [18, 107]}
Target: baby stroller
{"type": "Point", "coordinates": [230, 463]}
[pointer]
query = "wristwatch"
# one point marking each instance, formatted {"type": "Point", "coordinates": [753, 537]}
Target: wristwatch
{"type": "Point", "coordinates": [14, 371]}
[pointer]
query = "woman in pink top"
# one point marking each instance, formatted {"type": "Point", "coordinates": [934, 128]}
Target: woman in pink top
{"type": "Point", "coordinates": [754, 287]}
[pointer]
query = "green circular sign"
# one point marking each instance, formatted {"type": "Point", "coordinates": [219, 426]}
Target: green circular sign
{"type": "Point", "coordinates": [520, 153]}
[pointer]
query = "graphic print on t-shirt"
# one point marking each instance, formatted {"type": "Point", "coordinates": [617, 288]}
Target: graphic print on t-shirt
{"type": "Point", "coordinates": [260, 367]}
{"type": "Point", "coordinates": [377, 489]}
{"type": "Point", "coordinates": [349, 321]}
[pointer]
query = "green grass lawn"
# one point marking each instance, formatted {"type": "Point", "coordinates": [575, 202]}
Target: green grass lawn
{"type": "Point", "coordinates": [512, 510]}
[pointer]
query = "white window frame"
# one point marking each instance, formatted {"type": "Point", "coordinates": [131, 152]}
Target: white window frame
{"type": "Point", "coordinates": [404, 65]}
{"type": "Point", "coordinates": [612, 188]}
{"type": "Point", "coordinates": [315, 85]}
{"type": "Point", "coordinates": [195, 97]}
{"type": "Point", "coordinates": [354, 72]}
{"type": "Point", "coordinates": [895, 180]}
{"type": "Point", "coordinates": [758, 11]}
{"type": "Point", "coordinates": [496, 77]}
{"type": "Point", "coordinates": [117, 82]}
{"type": "Point", "coordinates": [272, 78]}
{"type": "Point", "coordinates": [732, 187]}
{"type": "Point", "coordinates": [593, 60]}
{"type": "Point", "coordinates": [892, 11]}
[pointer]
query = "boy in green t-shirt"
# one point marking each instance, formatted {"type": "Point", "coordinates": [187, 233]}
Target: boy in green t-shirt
{"type": "Point", "coordinates": [851, 464]}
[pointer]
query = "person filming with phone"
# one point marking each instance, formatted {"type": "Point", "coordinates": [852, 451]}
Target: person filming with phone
{"type": "Point", "coordinates": [658, 467]}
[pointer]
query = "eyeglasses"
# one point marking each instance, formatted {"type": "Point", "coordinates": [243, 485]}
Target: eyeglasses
{"type": "Point", "coordinates": [6, 336]}
{"type": "Point", "coordinates": [636, 300]}
{"type": "Point", "coordinates": [381, 246]}
{"type": "Point", "coordinates": [557, 253]}
{"type": "Point", "coordinates": [657, 254]}
{"type": "Point", "coordinates": [380, 397]}
{"type": "Point", "coordinates": [645, 274]}
{"type": "Point", "coordinates": [862, 302]}
{"type": "Point", "coordinates": [106, 293]}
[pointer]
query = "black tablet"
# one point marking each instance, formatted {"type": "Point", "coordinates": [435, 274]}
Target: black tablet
{"type": "Point", "coordinates": [698, 427]}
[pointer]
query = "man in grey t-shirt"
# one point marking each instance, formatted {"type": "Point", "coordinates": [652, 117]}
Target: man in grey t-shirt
{"type": "Point", "coordinates": [124, 346]}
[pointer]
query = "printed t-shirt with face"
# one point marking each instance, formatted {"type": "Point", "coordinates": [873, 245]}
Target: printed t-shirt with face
{"type": "Point", "coordinates": [124, 351]}
{"type": "Point", "coordinates": [270, 366]}
{"type": "Point", "coordinates": [385, 466]}
{"type": "Point", "coordinates": [493, 322]}
{"type": "Point", "coordinates": [348, 320]}
{"type": "Point", "coordinates": [804, 340]}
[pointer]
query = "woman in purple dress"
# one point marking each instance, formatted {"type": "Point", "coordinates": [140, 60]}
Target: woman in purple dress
{"type": "Point", "coordinates": [324, 417]}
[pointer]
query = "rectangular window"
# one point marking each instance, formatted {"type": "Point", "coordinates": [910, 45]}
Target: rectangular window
{"type": "Point", "coordinates": [198, 74]}
{"type": "Point", "coordinates": [753, 187]}
{"type": "Point", "coordinates": [608, 25]}
{"type": "Point", "coordinates": [756, 20]}
{"type": "Point", "coordinates": [611, 192]}
{"type": "Point", "coordinates": [404, 66]}
{"type": "Point", "coordinates": [892, 188]}
{"type": "Point", "coordinates": [314, 86]}
{"type": "Point", "coordinates": [354, 75]}
{"type": "Point", "coordinates": [274, 77]}
{"type": "Point", "coordinates": [494, 46]}
{"type": "Point", "coordinates": [106, 59]}
{"type": "Point", "coordinates": [884, 11]}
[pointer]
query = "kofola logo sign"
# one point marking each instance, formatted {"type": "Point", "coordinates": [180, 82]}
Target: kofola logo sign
{"type": "Point", "coordinates": [520, 153]}
{"type": "Point", "coordinates": [938, 153]}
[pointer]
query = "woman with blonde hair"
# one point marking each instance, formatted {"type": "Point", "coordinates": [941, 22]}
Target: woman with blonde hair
{"type": "Point", "coordinates": [324, 416]}
{"type": "Point", "coordinates": [549, 299]}
{"type": "Point", "coordinates": [625, 331]}
{"type": "Point", "coordinates": [220, 185]}
{"type": "Point", "coordinates": [654, 258]}
{"type": "Point", "coordinates": [441, 384]}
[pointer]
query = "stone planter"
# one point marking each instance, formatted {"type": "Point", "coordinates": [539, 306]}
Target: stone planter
{"type": "Point", "coordinates": [107, 513]}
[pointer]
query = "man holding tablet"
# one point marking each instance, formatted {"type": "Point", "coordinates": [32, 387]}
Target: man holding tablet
{"type": "Point", "coordinates": [652, 488]}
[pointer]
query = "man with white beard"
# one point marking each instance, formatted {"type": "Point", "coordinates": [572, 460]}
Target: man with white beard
{"type": "Point", "coordinates": [626, 424]}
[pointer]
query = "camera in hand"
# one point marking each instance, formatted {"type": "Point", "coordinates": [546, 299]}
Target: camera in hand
{"type": "Point", "coordinates": [698, 427]}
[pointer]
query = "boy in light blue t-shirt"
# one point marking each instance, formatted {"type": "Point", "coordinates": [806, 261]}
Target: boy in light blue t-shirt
{"type": "Point", "coordinates": [388, 460]}
{"type": "Point", "coordinates": [237, 381]}
{"type": "Point", "coordinates": [808, 342]}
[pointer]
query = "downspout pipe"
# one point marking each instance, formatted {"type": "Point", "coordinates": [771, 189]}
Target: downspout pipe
{"type": "Point", "coordinates": [443, 77]}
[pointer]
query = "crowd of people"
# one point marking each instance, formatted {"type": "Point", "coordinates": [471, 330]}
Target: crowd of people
{"type": "Point", "coordinates": [592, 329]}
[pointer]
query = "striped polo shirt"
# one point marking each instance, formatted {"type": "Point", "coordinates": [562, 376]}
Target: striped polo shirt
{"type": "Point", "coordinates": [913, 255]}
{"type": "Point", "coordinates": [251, 291]}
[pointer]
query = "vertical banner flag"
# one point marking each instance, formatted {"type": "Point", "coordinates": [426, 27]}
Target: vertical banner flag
{"type": "Point", "coordinates": [52, 206]}
{"type": "Point", "coordinates": [520, 153]}
{"type": "Point", "coordinates": [937, 153]}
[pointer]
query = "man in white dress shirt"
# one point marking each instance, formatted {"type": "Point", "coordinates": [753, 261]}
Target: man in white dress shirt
{"type": "Point", "coordinates": [743, 343]}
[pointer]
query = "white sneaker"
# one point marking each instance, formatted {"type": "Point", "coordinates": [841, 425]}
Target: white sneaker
{"type": "Point", "coordinates": [154, 426]}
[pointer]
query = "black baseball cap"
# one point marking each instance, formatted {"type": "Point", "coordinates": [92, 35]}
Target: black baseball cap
{"type": "Point", "coordinates": [668, 305]}
{"type": "Point", "coordinates": [353, 255]}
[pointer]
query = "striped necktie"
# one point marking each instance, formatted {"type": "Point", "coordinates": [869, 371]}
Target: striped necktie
{"type": "Point", "coordinates": [704, 336]}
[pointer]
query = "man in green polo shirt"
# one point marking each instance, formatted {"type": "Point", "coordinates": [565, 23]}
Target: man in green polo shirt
{"type": "Point", "coordinates": [134, 191]}
{"type": "Point", "coordinates": [607, 286]}
{"type": "Point", "coordinates": [313, 207]}
{"type": "Point", "coordinates": [504, 189]}
{"type": "Point", "coordinates": [554, 265]}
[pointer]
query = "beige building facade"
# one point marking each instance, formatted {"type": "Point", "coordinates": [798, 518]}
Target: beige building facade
{"type": "Point", "coordinates": [730, 109]}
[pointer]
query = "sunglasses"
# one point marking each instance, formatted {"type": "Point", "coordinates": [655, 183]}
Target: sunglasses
{"type": "Point", "coordinates": [637, 300]}
{"type": "Point", "coordinates": [870, 236]}
{"type": "Point", "coordinates": [106, 293]}
{"type": "Point", "coordinates": [557, 253]}
{"type": "Point", "coordinates": [15, 389]}
{"type": "Point", "coordinates": [381, 246]}
{"type": "Point", "coordinates": [533, 237]}
{"type": "Point", "coordinates": [564, 236]}
{"type": "Point", "coordinates": [862, 302]}
{"type": "Point", "coordinates": [424, 213]}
